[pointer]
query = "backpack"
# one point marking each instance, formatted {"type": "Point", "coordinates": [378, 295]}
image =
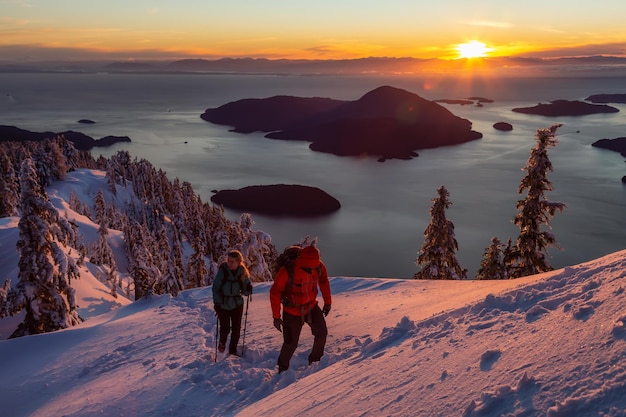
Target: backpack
{"type": "Point", "coordinates": [290, 254]}
{"type": "Point", "coordinates": [225, 273]}
{"type": "Point", "coordinates": [286, 259]}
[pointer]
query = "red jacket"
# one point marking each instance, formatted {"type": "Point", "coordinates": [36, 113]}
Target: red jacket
{"type": "Point", "coordinates": [303, 292]}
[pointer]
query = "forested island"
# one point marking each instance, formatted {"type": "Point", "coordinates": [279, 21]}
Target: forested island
{"type": "Point", "coordinates": [385, 123]}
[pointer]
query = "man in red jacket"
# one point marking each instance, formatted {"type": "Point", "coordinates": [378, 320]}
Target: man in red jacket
{"type": "Point", "coordinates": [298, 297]}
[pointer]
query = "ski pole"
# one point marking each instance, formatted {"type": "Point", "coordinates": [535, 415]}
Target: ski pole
{"type": "Point", "coordinates": [245, 325]}
{"type": "Point", "coordinates": [217, 333]}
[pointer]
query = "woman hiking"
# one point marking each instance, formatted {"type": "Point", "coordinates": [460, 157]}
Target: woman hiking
{"type": "Point", "coordinates": [231, 283]}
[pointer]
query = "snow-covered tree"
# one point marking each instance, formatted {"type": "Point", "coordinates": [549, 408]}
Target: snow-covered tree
{"type": "Point", "coordinates": [101, 253]}
{"type": "Point", "coordinates": [437, 257]}
{"type": "Point", "coordinates": [169, 282]}
{"type": "Point", "coordinates": [44, 288]}
{"type": "Point", "coordinates": [255, 248]}
{"type": "Point", "coordinates": [50, 162]}
{"type": "Point", "coordinates": [4, 293]}
{"type": "Point", "coordinates": [492, 265]}
{"type": "Point", "coordinates": [196, 272]}
{"type": "Point", "coordinates": [78, 206]}
{"type": "Point", "coordinates": [142, 268]}
{"type": "Point", "coordinates": [535, 211]}
{"type": "Point", "coordinates": [9, 186]}
{"type": "Point", "coordinates": [177, 257]}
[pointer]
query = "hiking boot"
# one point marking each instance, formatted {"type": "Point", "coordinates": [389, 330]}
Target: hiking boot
{"type": "Point", "coordinates": [234, 353]}
{"type": "Point", "coordinates": [221, 347]}
{"type": "Point", "coordinates": [281, 369]}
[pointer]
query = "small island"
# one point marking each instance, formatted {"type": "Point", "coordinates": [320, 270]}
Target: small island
{"type": "Point", "coordinates": [607, 98]}
{"type": "Point", "coordinates": [503, 126]}
{"type": "Point", "coordinates": [386, 123]}
{"type": "Point", "coordinates": [279, 200]}
{"type": "Point", "coordinates": [454, 101]}
{"type": "Point", "coordinates": [616, 145]}
{"type": "Point", "coordinates": [559, 108]}
{"type": "Point", "coordinates": [476, 101]}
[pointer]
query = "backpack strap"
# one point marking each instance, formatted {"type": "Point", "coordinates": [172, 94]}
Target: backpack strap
{"type": "Point", "coordinates": [225, 275]}
{"type": "Point", "coordinates": [285, 299]}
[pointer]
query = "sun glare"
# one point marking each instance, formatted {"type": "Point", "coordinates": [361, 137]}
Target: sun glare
{"type": "Point", "coordinates": [472, 49]}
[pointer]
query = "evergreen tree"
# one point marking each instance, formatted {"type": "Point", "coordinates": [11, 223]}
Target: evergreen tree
{"type": "Point", "coordinates": [9, 186]}
{"type": "Point", "coordinates": [169, 282]}
{"type": "Point", "coordinates": [535, 211]}
{"type": "Point", "coordinates": [255, 248]}
{"type": "Point", "coordinates": [4, 293]}
{"type": "Point", "coordinates": [78, 206]}
{"type": "Point", "coordinates": [177, 258]}
{"type": "Point", "coordinates": [492, 265]}
{"type": "Point", "coordinates": [101, 253]}
{"type": "Point", "coordinates": [110, 176]}
{"type": "Point", "coordinates": [45, 272]}
{"type": "Point", "coordinates": [50, 162]}
{"type": "Point", "coordinates": [437, 257]}
{"type": "Point", "coordinates": [140, 261]}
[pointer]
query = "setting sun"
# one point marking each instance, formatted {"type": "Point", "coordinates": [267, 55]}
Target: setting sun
{"type": "Point", "coordinates": [472, 49]}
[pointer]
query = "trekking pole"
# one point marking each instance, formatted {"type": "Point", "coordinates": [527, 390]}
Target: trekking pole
{"type": "Point", "coordinates": [245, 324]}
{"type": "Point", "coordinates": [217, 333]}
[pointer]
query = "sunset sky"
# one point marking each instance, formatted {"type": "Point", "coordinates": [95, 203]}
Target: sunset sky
{"type": "Point", "coordinates": [33, 30]}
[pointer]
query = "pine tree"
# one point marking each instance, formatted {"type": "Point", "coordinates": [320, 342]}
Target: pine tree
{"type": "Point", "coordinates": [437, 257]}
{"type": "Point", "coordinates": [4, 293]}
{"type": "Point", "coordinates": [255, 248]}
{"type": "Point", "coordinates": [45, 271]}
{"type": "Point", "coordinates": [141, 264]}
{"type": "Point", "coordinates": [169, 282]}
{"type": "Point", "coordinates": [101, 253]}
{"type": "Point", "coordinates": [9, 186]}
{"type": "Point", "coordinates": [492, 265]}
{"type": "Point", "coordinates": [535, 211]}
{"type": "Point", "coordinates": [178, 266]}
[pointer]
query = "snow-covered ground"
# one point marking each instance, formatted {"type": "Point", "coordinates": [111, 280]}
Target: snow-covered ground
{"type": "Point", "coordinates": [551, 344]}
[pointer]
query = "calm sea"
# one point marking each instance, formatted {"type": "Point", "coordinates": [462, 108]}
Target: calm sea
{"type": "Point", "coordinates": [385, 206]}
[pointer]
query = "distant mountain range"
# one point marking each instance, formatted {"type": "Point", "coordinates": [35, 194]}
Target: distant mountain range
{"type": "Point", "coordinates": [609, 65]}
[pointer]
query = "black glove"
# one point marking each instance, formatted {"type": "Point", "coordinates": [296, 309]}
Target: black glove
{"type": "Point", "coordinates": [278, 323]}
{"type": "Point", "coordinates": [249, 288]}
{"type": "Point", "coordinates": [216, 307]}
{"type": "Point", "coordinates": [326, 309]}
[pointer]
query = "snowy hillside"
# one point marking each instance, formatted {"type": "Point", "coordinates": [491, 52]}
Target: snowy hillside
{"type": "Point", "coordinates": [552, 344]}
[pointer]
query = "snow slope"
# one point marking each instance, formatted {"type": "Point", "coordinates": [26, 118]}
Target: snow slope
{"type": "Point", "coordinates": [551, 344]}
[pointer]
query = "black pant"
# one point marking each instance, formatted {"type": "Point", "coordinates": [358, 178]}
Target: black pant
{"type": "Point", "coordinates": [292, 327]}
{"type": "Point", "coordinates": [230, 319]}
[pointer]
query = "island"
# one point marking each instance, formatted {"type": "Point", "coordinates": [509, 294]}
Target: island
{"type": "Point", "coordinates": [476, 101]}
{"type": "Point", "coordinates": [503, 126]}
{"type": "Point", "coordinates": [454, 101]}
{"type": "Point", "coordinates": [558, 108]}
{"type": "Point", "coordinates": [279, 200]}
{"type": "Point", "coordinates": [386, 123]}
{"type": "Point", "coordinates": [81, 141]}
{"type": "Point", "coordinates": [607, 98]}
{"type": "Point", "coordinates": [481, 99]}
{"type": "Point", "coordinates": [617, 145]}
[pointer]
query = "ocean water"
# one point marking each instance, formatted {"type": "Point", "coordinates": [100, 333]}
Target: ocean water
{"type": "Point", "coordinates": [385, 206]}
